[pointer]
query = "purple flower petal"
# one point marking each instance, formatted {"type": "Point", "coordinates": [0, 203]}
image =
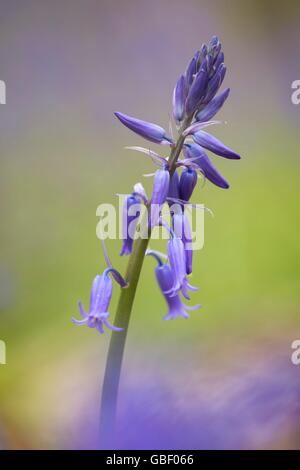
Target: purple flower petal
{"type": "Point", "coordinates": [196, 92]}
{"type": "Point", "coordinates": [165, 280]}
{"type": "Point", "coordinates": [145, 129]}
{"type": "Point", "coordinates": [208, 169]}
{"type": "Point", "coordinates": [130, 216]}
{"type": "Point", "coordinates": [213, 107]}
{"type": "Point", "coordinates": [214, 145]}
{"type": "Point", "coordinates": [190, 73]}
{"type": "Point", "coordinates": [173, 191]}
{"type": "Point", "coordinates": [188, 181]}
{"type": "Point", "coordinates": [215, 83]}
{"type": "Point", "coordinates": [179, 99]}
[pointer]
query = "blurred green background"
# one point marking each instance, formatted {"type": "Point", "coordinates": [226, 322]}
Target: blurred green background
{"type": "Point", "coordinates": [67, 66]}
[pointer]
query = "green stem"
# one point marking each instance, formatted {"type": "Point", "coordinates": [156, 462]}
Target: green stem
{"type": "Point", "coordinates": [118, 339]}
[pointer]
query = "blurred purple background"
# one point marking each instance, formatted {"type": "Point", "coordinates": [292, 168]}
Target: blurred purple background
{"type": "Point", "coordinates": [223, 379]}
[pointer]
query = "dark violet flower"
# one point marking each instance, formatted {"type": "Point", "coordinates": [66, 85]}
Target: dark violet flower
{"type": "Point", "coordinates": [165, 279]}
{"type": "Point", "coordinates": [182, 229]}
{"type": "Point", "coordinates": [210, 172]}
{"type": "Point", "coordinates": [214, 145]}
{"type": "Point", "coordinates": [131, 214]}
{"type": "Point", "coordinates": [190, 72]}
{"type": "Point", "coordinates": [187, 183]}
{"type": "Point", "coordinates": [177, 259]}
{"type": "Point", "coordinates": [179, 99]}
{"type": "Point", "coordinates": [145, 129]}
{"type": "Point", "coordinates": [196, 92]}
{"type": "Point", "coordinates": [173, 191]}
{"type": "Point", "coordinates": [211, 109]}
{"type": "Point", "coordinates": [215, 83]}
{"type": "Point", "coordinates": [101, 293]}
{"type": "Point", "coordinates": [159, 193]}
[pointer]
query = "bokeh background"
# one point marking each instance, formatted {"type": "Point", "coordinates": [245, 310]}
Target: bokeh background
{"type": "Point", "coordinates": [223, 379]}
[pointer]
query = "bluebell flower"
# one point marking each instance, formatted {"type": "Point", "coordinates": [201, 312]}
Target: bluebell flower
{"type": "Point", "coordinates": [182, 230]}
{"type": "Point", "coordinates": [97, 316]}
{"type": "Point", "coordinates": [213, 144]}
{"type": "Point", "coordinates": [177, 259]}
{"type": "Point", "coordinates": [211, 109]}
{"type": "Point", "coordinates": [173, 191]}
{"type": "Point", "coordinates": [214, 47]}
{"type": "Point", "coordinates": [145, 129]}
{"type": "Point", "coordinates": [196, 92]}
{"type": "Point", "coordinates": [196, 152]}
{"type": "Point", "coordinates": [215, 83]}
{"type": "Point", "coordinates": [131, 214]}
{"type": "Point", "coordinates": [190, 73]}
{"type": "Point", "coordinates": [179, 99]}
{"type": "Point", "coordinates": [159, 193]}
{"type": "Point", "coordinates": [187, 183]}
{"type": "Point", "coordinates": [165, 280]}
{"type": "Point", "coordinates": [219, 60]}
{"type": "Point", "coordinates": [177, 308]}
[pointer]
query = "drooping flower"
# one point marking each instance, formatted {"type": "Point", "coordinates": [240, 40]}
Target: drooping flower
{"type": "Point", "coordinates": [177, 259]}
{"type": "Point", "coordinates": [165, 279]}
{"type": "Point", "coordinates": [182, 229]}
{"type": "Point", "coordinates": [97, 316]}
{"type": "Point", "coordinates": [213, 144]}
{"type": "Point", "coordinates": [145, 129]}
{"type": "Point", "coordinates": [196, 152]}
{"type": "Point", "coordinates": [131, 214]}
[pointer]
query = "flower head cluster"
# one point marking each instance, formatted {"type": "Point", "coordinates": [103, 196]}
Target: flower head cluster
{"type": "Point", "coordinates": [196, 101]}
